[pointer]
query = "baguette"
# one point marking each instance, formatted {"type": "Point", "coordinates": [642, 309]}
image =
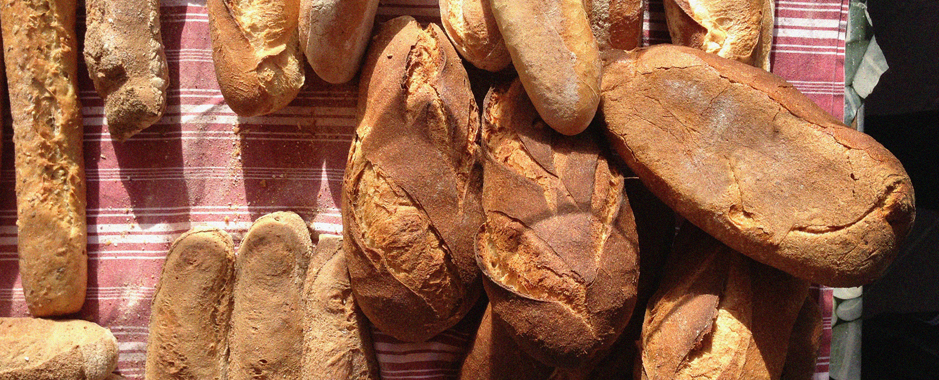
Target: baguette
{"type": "Point", "coordinates": [334, 35]}
{"type": "Point", "coordinates": [718, 315]}
{"type": "Point", "coordinates": [126, 62]}
{"type": "Point", "coordinates": [617, 24]}
{"type": "Point", "coordinates": [474, 33]}
{"type": "Point", "coordinates": [559, 245]}
{"type": "Point", "coordinates": [191, 312]}
{"type": "Point", "coordinates": [256, 50]}
{"type": "Point", "coordinates": [746, 157]}
{"type": "Point", "coordinates": [741, 30]}
{"type": "Point", "coordinates": [41, 349]}
{"type": "Point", "coordinates": [266, 339]}
{"type": "Point", "coordinates": [337, 343]}
{"type": "Point", "coordinates": [41, 61]}
{"type": "Point", "coordinates": [411, 193]}
{"type": "Point", "coordinates": [556, 56]}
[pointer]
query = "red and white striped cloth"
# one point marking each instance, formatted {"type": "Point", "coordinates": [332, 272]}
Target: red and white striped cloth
{"type": "Point", "coordinates": [203, 165]}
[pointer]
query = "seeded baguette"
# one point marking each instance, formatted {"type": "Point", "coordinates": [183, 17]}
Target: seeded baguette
{"type": "Point", "coordinates": [41, 60]}
{"type": "Point", "coordinates": [334, 35]}
{"type": "Point", "coordinates": [41, 349]}
{"type": "Point", "coordinates": [191, 311]}
{"type": "Point", "coordinates": [745, 156]}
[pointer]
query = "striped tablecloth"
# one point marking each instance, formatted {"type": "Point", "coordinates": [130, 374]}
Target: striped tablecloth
{"type": "Point", "coordinates": [203, 165]}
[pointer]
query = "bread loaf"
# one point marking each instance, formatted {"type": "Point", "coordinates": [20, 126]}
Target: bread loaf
{"type": "Point", "coordinates": [743, 155]}
{"type": "Point", "coordinates": [472, 29]}
{"type": "Point", "coordinates": [616, 24]}
{"type": "Point", "coordinates": [410, 198]}
{"type": "Point", "coordinates": [556, 56]}
{"type": "Point", "coordinates": [559, 244]}
{"type": "Point", "coordinates": [256, 50]}
{"type": "Point", "coordinates": [494, 355]}
{"type": "Point", "coordinates": [191, 311]}
{"type": "Point", "coordinates": [718, 315]}
{"type": "Point", "coordinates": [334, 35]}
{"type": "Point", "coordinates": [337, 343]}
{"type": "Point", "coordinates": [266, 339]}
{"type": "Point", "coordinates": [124, 54]}
{"type": "Point", "coordinates": [39, 48]}
{"type": "Point", "coordinates": [741, 30]}
{"type": "Point", "coordinates": [41, 349]}
{"type": "Point", "coordinates": [804, 342]}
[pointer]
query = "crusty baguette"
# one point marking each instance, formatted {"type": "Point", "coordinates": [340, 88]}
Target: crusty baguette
{"type": "Point", "coordinates": [472, 29]}
{"type": "Point", "coordinates": [804, 342]}
{"type": "Point", "coordinates": [745, 156]}
{"type": "Point", "coordinates": [411, 193]}
{"type": "Point", "coordinates": [41, 60]}
{"type": "Point", "coordinates": [617, 24]}
{"type": "Point", "coordinates": [334, 35]}
{"type": "Point", "coordinates": [256, 50]}
{"type": "Point", "coordinates": [741, 30]}
{"type": "Point", "coordinates": [266, 339]}
{"type": "Point", "coordinates": [126, 62]}
{"type": "Point", "coordinates": [41, 349]}
{"type": "Point", "coordinates": [337, 342]}
{"type": "Point", "coordinates": [191, 311]}
{"type": "Point", "coordinates": [494, 355]}
{"type": "Point", "coordinates": [559, 245]}
{"type": "Point", "coordinates": [556, 56]}
{"type": "Point", "coordinates": [718, 315]}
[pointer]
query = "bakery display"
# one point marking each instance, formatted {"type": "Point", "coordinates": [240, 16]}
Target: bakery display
{"type": "Point", "coordinates": [40, 349]}
{"type": "Point", "coordinates": [741, 30]}
{"type": "Point", "coordinates": [334, 35]}
{"type": "Point", "coordinates": [473, 30]}
{"type": "Point", "coordinates": [410, 196]}
{"type": "Point", "coordinates": [41, 64]}
{"type": "Point", "coordinates": [745, 156]}
{"type": "Point", "coordinates": [126, 62]}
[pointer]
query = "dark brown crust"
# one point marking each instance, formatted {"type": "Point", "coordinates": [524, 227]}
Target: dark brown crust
{"type": "Point", "coordinates": [424, 144]}
{"type": "Point", "coordinates": [495, 356]}
{"type": "Point", "coordinates": [575, 295]}
{"type": "Point", "coordinates": [778, 179]}
{"type": "Point", "coordinates": [804, 342]}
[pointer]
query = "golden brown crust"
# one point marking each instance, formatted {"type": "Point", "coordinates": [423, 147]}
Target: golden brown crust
{"type": "Point", "coordinates": [734, 29]}
{"type": "Point", "coordinates": [804, 342]}
{"type": "Point", "coordinates": [412, 185]}
{"type": "Point", "coordinates": [266, 339]}
{"type": "Point", "coordinates": [556, 56]}
{"type": "Point", "coordinates": [473, 30]}
{"type": "Point", "coordinates": [256, 50]}
{"type": "Point", "coordinates": [559, 245]}
{"type": "Point", "coordinates": [718, 314]}
{"type": "Point", "coordinates": [616, 24]}
{"type": "Point", "coordinates": [334, 35]}
{"type": "Point", "coordinates": [40, 349]}
{"type": "Point", "coordinates": [47, 138]}
{"type": "Point", "coordinates": [495, 356]}
{"type": "Point", "coordinates": [191, 312]}
{"type": "Point", "coordinates": [745, 156]}
{"type": "Point", "coordinates": [337, 341]}
{"type": "Point", "coordinates": [126, 62]}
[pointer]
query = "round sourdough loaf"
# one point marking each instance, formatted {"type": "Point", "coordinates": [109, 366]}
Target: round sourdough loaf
{"type": "Point", "coordinates": [749, 159]}
{"type": "Point", "coordinates": [559, 246]}
{"type": "Point", "coordinates": [410, 197]}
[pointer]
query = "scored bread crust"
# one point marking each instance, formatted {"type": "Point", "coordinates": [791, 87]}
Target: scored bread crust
{"type": "Point", "coordinates": [412, 185]}
{"type": "Point", "coordinates": [473, 30]}
{"type": "Point", "coordinates": [745, 156]}
{"type": "Point", "coordinates": [559, 247]}
{"type": "Point", "coordinates": [617, 24]}
{"type": "Point", "coordinates": [334, 35]}
{"type": "Point", "coordinates": [42, 349]}
{"type": "Point", "coordinates": [734, 29]}
{"type": "Point", "coordinates": [718, 315]}
{"type": "Point", "coordinates": [256, 51]}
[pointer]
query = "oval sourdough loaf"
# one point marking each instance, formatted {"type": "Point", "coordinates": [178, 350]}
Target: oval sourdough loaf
{"type": "Point", "coordinates": [741, 30]}
{"type": "Point", "coordinates": [745, 156]}
{"type": "Point", "coordinates": [41, 349]}
{"type": "Point", "coordinates": [41, 63]}
{"type": "Point", "coordinates": [256, 51]}
{"type": "Point", "coordinates": [494, 355]}
{"type": "Point", "coordinates": [334, 35]}
{"type": "Point", "coordinates": [266, 339]}
{"type": "Point", "coordinates": [556, 56]}
{"type": "Point", "coordinates": [616, 24]}
{"type": "Point", "coordinates": [191, 311]}
{"type": "Point", "coordinates": [410, 200]}
{"type": "Point", "coordinates": [337, 342]}
{"type": "Point", "coordinates": [559, 247]}
{"type": "Point", "coordinates": [472, 29]}
{"type": "Point", "coordinates": [718, 315]}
